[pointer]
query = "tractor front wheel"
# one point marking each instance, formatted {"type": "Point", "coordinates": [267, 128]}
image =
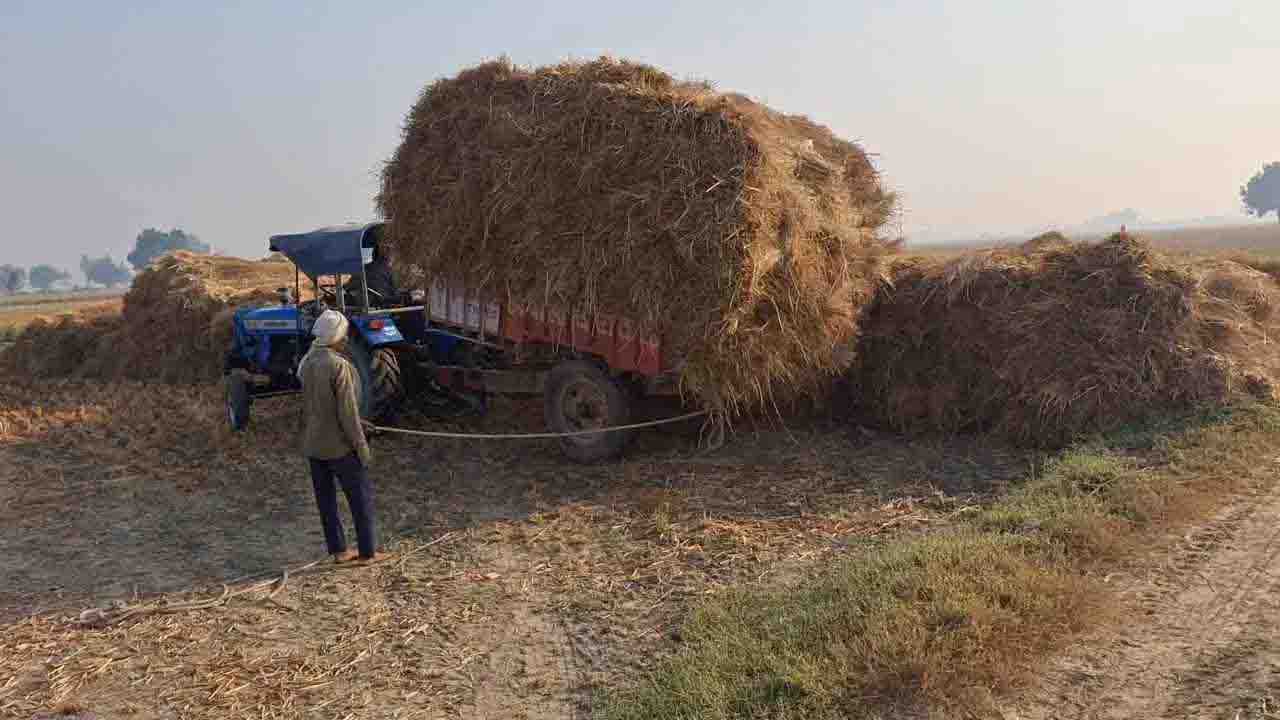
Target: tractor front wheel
{"type": "Point", "coordinates": [581, 396]}
{"type": "Point", "coordinates": [238, 401]}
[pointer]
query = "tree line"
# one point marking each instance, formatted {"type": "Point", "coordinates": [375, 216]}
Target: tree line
{"type": "Point", "coordinates": [104, 271]}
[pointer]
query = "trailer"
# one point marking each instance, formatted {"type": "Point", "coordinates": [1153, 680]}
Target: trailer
{"type": "Point", "coordinates": [447, 342]}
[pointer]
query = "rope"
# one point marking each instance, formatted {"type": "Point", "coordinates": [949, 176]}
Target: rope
{"type": "Point", "coordinates": [100, 616]}
{"type": "Point", "coordinates": [103, 617]}
{"type": "Point", "coordinates": [538, 436]}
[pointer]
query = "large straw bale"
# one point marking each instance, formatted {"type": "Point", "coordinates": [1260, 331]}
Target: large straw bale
{"type": "Point", "coordinates": [1046, 342]}
{"type": "Point", "coordinates": [175, 325]}
{"type": "Point", "coordinates": [746, 238]}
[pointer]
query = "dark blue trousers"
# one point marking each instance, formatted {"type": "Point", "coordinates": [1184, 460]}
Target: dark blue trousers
{"type": "Point", "coordinates": [359, 491]}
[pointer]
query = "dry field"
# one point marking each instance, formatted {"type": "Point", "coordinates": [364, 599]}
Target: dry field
{"type": "Point", "coordinates": [521, 587]}
{"type": "Point", "coordinates": [526, 586]}
{"type": "Point", "coordinates": [16, 311]}
{"type": "Point", "coordinates": [1257, 240]}
{"type": "Point", "coordinates": [60, 298]}
{"type": "Point", "coordinates": [1263, 240]}
{"type": "Point", "coordinates": [157, 565]}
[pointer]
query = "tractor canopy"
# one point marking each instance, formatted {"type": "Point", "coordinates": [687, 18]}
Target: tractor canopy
{"type": "Point", "coordinates": [338, 250]}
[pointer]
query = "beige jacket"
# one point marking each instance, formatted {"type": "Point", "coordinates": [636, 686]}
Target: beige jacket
{"type": "Point", "coordinates": [330, 393]}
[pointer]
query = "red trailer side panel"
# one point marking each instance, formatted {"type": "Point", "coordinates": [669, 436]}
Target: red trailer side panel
{"type": "Point", "coordinates": [557, 326]}
{"type": "Point", "coordinates": [580, 331]}
{"type": "Point", "coordinates": [617, 340]}
{"type": "Point", "coordinates": [603, 341]}
{"type": "Point", "coordinates": [649, 356]}
{"type": "Point", "coordinates": [625, 354]}
{"type": "Point", "coordinates": [514, 322]}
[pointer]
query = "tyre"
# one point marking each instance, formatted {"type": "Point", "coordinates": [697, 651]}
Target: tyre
{"type": "Point", "coordinates": [581, 396]}
{"type": "Point", "coordinates": [382, 390]}
{"type": "Point", "coordinates": [238, 400]}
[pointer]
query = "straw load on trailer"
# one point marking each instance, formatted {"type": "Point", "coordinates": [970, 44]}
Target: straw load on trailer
{"type": "Point", "coordinates": [744, 239]}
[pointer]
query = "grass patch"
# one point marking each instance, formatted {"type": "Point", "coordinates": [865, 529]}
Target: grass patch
{"type": "Point", "coordinates": [941, 618]}
{"type": "Point", "coordinates": [1101, 499]}
{"type": "Point", "coordinates": [950, 620]}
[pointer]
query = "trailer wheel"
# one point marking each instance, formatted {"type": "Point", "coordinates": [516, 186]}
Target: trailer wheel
{"type": "Point", "coordinates": [382, 389]}
{"type": "Point", "coordinates": [238, 401]}
{"type": "Point", "coordinates": [581, 396]}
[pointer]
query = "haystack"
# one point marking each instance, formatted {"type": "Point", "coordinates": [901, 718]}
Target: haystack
{"type": "Point", "coordinates": [183, 302]}
{"type": "Point", "coordinates": [62, 345]}
{"type": "Point", "coordinates": [1047, 342]}
{"type": "Point", "coordinates": [175, 326]}
{"type": "Point", "coordinates": [745, 238]}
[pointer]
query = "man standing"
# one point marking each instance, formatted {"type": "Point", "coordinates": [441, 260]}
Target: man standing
{"type": "Point", "coordinates": [334, 440]}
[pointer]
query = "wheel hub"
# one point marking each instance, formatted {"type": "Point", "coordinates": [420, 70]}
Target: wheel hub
{"type": "Point", "coordinates": [585, 406]}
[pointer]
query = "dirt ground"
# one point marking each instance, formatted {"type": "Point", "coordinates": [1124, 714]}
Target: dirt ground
{"type": "Point", "coordinates": [521, 583]}
{"type": "Point", "coordinates": [1204, 635]}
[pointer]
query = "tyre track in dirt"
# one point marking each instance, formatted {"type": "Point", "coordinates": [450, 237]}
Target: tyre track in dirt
{"type": "Point", "coordinates": [1204, 641]}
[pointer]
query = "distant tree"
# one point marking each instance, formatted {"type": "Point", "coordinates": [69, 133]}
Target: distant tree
{"type": "Point", "coordinates": [104, 271]}
{"type": "Point", "coordinates": [43, 277]}
{"type": "Point", "coordinates": [151, 244]}
{"type": "Point", "coordinates": [1261, 194]}
{"type": "Point", "coordinates": [12, 278]}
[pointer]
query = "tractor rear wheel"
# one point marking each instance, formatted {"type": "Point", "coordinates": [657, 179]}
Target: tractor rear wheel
{"type": "Point", "coordinates": [581, 396]}
{"type": "Point", "coordinates": [382, 390]}
{"type": "Point", "coordinates": [238, 400]}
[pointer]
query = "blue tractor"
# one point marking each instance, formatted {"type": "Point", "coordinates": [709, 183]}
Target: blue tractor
{"type": "Point", "coordinates": [347, 272]}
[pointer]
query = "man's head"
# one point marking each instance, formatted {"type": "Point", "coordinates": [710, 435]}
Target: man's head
{"type": "Point", "coordinates": [330, 329]}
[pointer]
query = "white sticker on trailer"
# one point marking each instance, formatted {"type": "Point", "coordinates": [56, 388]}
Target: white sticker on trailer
{"type": "Point", "coordinates": [457, 308]}
{"type": "Point", "coordinates": [439, 301]}
{"type": "Point", "coordinates": [492, 318]}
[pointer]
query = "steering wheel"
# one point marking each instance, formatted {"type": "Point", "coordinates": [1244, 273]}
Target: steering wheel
{"type": "Point", "coordinates": [328, 296]}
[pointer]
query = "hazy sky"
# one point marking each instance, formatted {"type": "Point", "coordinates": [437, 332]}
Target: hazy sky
{"type": "Point", "coordinates": [240, 120]}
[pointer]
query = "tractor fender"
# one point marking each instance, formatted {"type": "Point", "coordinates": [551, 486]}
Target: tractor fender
{"type": "Point", "coordinates": [377, 331]}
